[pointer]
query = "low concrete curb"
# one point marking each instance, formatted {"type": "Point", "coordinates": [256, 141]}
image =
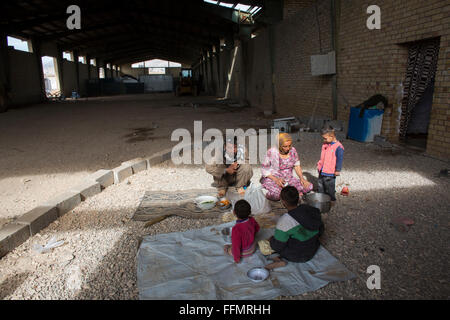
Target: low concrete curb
{"type": "Point", "coordinates": [104, 177]}
{"type": "Point", "coordinates": [11, 236]}
{"type": "Point", "coordinates": [17, 232]}
{"type": "Point", "coordinates": [137, 165]}
{"type": "Point", "coordinates": [159, 157]}
{"type": "Point", "coordinates": [122, 172]}
{"type": "Point", "coordinates": [38, 218]}
{"type": "Point", "coordinates": [64, 202]}
{"type": "Point", "coordinates": [87, 189]}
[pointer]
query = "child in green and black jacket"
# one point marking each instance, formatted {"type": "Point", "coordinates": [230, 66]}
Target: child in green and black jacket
{"type": "Point", "coordinates": [297, 232]}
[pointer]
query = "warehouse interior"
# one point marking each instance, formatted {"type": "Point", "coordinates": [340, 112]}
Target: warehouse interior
{"type": "Point", "coordinates": [97, 88]}
{"type": "Point", "coordinates": [259, 52]}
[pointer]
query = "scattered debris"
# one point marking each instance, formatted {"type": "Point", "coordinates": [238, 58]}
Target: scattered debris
{"type": "Point", "coordinates": [236, 104]}
{"type": "Point", "coordinates": [378, 138]}
{"type": "Point", "coordinates": [402, 224]}
{"type": "Point", "coordinates": [66, 258]}
{"type": "Point", "coordinates": [75, 95]}
{"type": "Point", "coordinates": [381, 141]}
{"type": "Point", "coordinates": [156, 220]}
{"type": "Point", "coordinates": [52, 243]}
{"type": "Point", "coordinates": [285, 124]}
{"type": "Point", "coordinates": [345, 191]}
{"type": "Point", "coordinates": [55, 96]}
{"type": "Point", "coordinates": [337, 125]}
{"type": "Point", "coordinates": [74, 279]}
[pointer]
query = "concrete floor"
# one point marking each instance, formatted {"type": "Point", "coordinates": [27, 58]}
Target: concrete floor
{"type": "Point", "coordinates": [47, 148]}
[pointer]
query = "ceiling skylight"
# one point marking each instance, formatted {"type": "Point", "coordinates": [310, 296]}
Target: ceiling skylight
{"type": "Point", "coordinates": [242, 7]}
{"type": "Point", "coordinates": [224, 4]}
{"type": "Point", "coordinates": [238, 7]}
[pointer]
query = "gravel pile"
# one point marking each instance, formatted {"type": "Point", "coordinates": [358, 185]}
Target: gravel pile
{"type": "Point", "coordinates": [98, 259]}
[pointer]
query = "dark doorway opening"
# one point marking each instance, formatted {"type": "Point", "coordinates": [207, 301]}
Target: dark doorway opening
{"type": "Point", "coordinates": [418, 93]}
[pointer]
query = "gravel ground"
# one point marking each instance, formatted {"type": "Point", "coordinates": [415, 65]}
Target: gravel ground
{"type": "Point", "coordinates": [98, 259]}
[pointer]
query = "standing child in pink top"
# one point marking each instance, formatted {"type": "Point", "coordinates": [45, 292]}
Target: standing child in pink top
{"type": "Point", "coordinates": [330, 163]}
{"type": "Point", "coordinates": [243, 233]}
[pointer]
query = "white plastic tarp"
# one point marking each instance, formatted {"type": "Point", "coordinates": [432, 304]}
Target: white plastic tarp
{"type": "Point", "coordinates": [191, 265]}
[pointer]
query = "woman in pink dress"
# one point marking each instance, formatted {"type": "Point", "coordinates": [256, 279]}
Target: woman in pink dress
{"type": "Point", "coordinates": [277, 169]}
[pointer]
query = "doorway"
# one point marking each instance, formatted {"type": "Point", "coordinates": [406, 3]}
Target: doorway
{"type": "Point", "coordinates": [418, 92]}
{"type": "Point", "coordinates": [51, 78]}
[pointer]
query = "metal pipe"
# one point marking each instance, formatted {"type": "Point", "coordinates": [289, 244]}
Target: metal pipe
{"type": "Point", "coordinates": [272, 62]}
{"type": "Point", "coordinates": [334, 48]}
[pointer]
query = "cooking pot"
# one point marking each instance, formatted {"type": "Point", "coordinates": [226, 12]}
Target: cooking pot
{"type": "Point", "coordinates": [320, 201]}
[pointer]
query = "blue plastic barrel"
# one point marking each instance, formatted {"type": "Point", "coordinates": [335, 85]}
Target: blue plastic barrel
{"type": "Point", "coordinates": [364, 129]}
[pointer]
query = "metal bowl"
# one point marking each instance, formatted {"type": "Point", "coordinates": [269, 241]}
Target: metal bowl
{"type": "Point", "coordinates": [223, 206]}
{"type": "Point", "coordinates": [320, 201]}
{"type": "Point", "coordinates": [257, 274]}
{"type": "Point", "coordinates": [226, 234]}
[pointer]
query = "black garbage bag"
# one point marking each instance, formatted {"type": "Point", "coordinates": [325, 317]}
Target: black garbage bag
{"type": "Point", "coordinates": [372, 101]}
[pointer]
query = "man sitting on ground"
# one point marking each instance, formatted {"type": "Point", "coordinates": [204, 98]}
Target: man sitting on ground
{"type": "Point", "coordinates": [297, 232]}
{"type": "Point", "coordinates": [231, 171]}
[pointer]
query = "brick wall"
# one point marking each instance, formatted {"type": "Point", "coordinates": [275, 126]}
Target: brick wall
{"type": "Point", "coordinates": [291, 7]}
{"type": "Point", "coordinates": [368, 62]}
{"type": "Point", "coordinates": [297, 38]}
{"type": "Point", "coordinates": [374, 61]}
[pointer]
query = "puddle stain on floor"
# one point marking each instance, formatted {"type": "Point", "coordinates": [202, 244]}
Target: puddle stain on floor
{"type": "Point", "coordinates": [141, 134]}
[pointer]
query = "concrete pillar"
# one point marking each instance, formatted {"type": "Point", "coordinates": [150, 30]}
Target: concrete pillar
{"type": "Point", "coordinates": [105, 66]}
{"type": "Point", "coordinates": [210, 62]}
{"type": "Point", "coordinates": [37, 52]}
{"type": "Point", "coordinates": [243, 73]}
{"type": "Point", "coordinates": [219, 72]}
{"type": "Point", "coordinates": [77, 69]}
{"type": "Point", "coordinates": [205, 67]}
{"type": "Point", "coordinates": [5, 76]}
{"type": "Point", "coordinates": [100, 64]}
{"type": "Point", "coordinates": [88, 61]}
{"type": "Point", "coordinates": [201, 75]}
{"type": "Point", "coordinates": [105, 70]}
{"type": "Point", "coordinates": [60, 65]}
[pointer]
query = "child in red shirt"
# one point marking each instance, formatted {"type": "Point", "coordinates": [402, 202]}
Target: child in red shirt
{"type": "Point", "coordinates": [243, 233]}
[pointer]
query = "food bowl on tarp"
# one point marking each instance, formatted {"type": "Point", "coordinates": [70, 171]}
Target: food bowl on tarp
{"type": "Point", "coordinates": [224, 204]}
{"type": "Point", "coordinates": [206, 202]}
{"type": "Point", "coordinates": [257, 274]}
{"type": "Point", "coordinates": [320, 201]}
{"type": "Point", "coordinates": [226, 234]}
